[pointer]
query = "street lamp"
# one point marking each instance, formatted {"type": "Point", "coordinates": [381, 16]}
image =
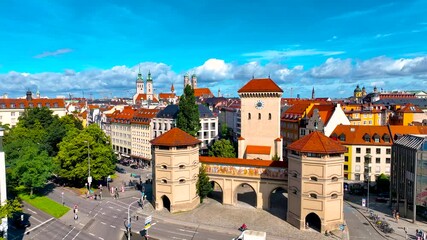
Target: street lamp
{"type": "Point", "coordinates": [368, 175]}
{"type": "Point", "coordinates": [89, 178]}
{"type": "Point", "coordinates": [129, 224]}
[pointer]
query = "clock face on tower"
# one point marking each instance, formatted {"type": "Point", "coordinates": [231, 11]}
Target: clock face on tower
{"type": "Point", "coordinates": [259, 104]}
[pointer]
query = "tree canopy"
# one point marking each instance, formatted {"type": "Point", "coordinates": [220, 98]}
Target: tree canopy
{"type": "Point", "coordinates": [222, 148]}
{"type": "Point", "coordinates": [203, 185]}
{"type": "Point", "coordinates": [383, 183]}
{"type": "Point", "coordinates": [188, 114]}
{"type": "Point", "coordinates": [78, 149]}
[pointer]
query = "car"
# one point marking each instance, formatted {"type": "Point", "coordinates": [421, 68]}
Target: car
{"type": "Point", "coordinates": [21, 222]}
{"type": "Point", "coordinates": [134, 166]}
{"type": "Point", "coordinates": [124, 163]}
{"type": "Point", "coordinates": [120, 170]}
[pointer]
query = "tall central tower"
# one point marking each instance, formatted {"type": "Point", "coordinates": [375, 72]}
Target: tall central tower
{"type": "Point", "coordinates": [260, 120]}
{"type": "Point", "coordinates": [149, 87]}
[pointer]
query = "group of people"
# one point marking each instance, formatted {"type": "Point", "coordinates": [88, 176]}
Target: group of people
{"type": "Point", "coordinates": [420, 235]}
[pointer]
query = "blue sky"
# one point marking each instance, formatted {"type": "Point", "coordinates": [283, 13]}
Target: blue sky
{"type": "Point", "coordinates": [95, 47]}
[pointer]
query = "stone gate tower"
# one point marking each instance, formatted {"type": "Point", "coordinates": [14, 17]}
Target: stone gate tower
{"type": "Point", "coordinates": [316, 182]}
{"type": "Point", "coordinates": [176, 170]}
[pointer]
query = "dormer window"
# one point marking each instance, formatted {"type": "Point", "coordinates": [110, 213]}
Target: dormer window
{"type": "Point", "coordinates": [21, 105]}
{"type": "Point", "coordinates": [342, 137]}
{"type": "Point", "coordinates": [367, 138]}
{"type": "Point", "coordinates": [386, 138]}
{"type": "Point", "coordinates": [376, 138]}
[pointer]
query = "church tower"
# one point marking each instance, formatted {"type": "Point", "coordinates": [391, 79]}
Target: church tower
{"type": "Point", "coordinates": [149, 87]}
{"type": "Point", "coordinates": [194, 81]}
{"type": "Point", "coordinates": [139, 83]}
{"type": "Point", "coordinates": [316, 182]}
{"type": "Point", "coordinates": [260, 120]}
{"type": "Point", "coordinates": [312, 93]}
{"type": "Point", "coordinates": [186, 80]}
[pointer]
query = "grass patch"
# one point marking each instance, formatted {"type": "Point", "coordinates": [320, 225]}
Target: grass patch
{"type": "Point", "coordinates": [45, 204]}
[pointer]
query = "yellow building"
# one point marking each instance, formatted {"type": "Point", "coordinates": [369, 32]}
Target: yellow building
{"type": "Point", "coordinates": [407, 115]}
{"type": "Point", "coordinates": [366, 114]}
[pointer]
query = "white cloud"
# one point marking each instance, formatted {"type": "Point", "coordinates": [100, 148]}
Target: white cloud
{"type": "Point", "coordinates": [334, 73]}
{"type": "Point", "coordinates": [274, 54]}
{"type": "Point", "coordinates": [54, 53]}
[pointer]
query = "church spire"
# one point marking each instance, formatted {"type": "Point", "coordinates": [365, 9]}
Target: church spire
{"type": "Point", "coordinates": [172, 88]}
{"type": "Point", "coordinates": [139, 79]}
{"type": "Point", "coordinates": [312, 93]}
{"type": "Point", "coordinates": [149, 76]}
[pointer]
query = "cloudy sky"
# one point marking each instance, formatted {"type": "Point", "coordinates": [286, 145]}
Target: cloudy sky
{"type": "Point", "coordinates": [95, 47]}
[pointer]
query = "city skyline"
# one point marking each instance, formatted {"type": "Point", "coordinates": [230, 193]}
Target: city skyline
{"type": "Point", "coordinates": [96, 48]}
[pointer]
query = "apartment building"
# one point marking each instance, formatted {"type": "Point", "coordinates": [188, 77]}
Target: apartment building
{"type": "Point", "coordinates": [366, 114]}
{"type": "Point", "coordinates": [407, 114]}
{"type": "Point", "coordinates": [141, 132]}
{"type": "Point", "coordinates": [166, 120]}
{"type": "Point", "coordinates": [12, 108]}
{"type": "Point", "coordinates": [121, 131]}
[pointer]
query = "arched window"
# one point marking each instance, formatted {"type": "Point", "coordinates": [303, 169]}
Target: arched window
{"type": "Point", "coordinates": [334, 179]}
{"type": "Point", "coordinates": [313, 179]}
{"type": "Point", "coordinates": [181, 166]}
{"type": "Point", "coordinates": [249, 116]}
{"type": "Point", "coordinates": [164, 167]}
{"type": "Point", "coordinates": [259, 115]}
{"type": "Point", "coordinates": [313, 195]}
{"type": "Point", "coordinates": [333, 196]}
{"type": "Point", "coordinates": [182, 181]}
{"type": "Point", "coordinates": [164, 181]}
{"type": "Point", "coordinates": [269, 116]}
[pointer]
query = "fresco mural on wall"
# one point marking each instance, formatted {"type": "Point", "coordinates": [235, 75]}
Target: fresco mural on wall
{"type": "Point", "coordinates": [256, 172]}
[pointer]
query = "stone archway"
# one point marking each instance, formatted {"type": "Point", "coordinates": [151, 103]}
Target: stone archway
{"type": "Point", "coordinates": [217, 192]}
{"type": "Point", "coordinates": [246, 195]}
{"type": "Point", "coordinates": [278, 202]}
{"type": "Point", "coordinates": [313, 221]}
{"type": "Point", "coordinates": [166, 203]}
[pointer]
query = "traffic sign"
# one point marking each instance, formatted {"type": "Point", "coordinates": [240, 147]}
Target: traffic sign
{"type": "Point", "coordinates": [148, 222]}
{"type": "Point", "coordinates": [89, 179]}
{"type": "Point", "coordinates": [363, 202]}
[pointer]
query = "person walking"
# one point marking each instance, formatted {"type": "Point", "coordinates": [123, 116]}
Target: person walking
{"type": "Point", "coordinates": [394, 213]}
{"type": "Point", "coordinates": [397, 217]}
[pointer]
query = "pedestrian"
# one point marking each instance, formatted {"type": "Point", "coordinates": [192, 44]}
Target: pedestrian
{"type": "Point", "coordinates": [397, 217]}
{"type": "Point", "coordinates": [76, 217]}
{"type": "Point", "coordinates": [394, 213]}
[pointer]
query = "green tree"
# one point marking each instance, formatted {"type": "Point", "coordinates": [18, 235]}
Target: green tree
{"type": "Point", "coordinates": [383, 183]}
{"type": "Point", "coordinates": [11, 207]}
{"type": "Point", "coordinates": [33, 115]}
{"type": "Point", "coordinates": [80, 147]}
{"type": "Point", "coordinates": [188, 114]}
{"type": "Point", "coordinates": [33, 168]}
{"type": "Point", "coordinates": [222, 148]}
{"type": "Point", "coordinates": [203, 185]}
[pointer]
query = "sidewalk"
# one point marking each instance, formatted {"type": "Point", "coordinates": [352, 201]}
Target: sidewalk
{"type": "Point", "coordinates": [399, 227]}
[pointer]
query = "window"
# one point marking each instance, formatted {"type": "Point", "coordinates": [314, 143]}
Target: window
{"type": "Point", "coordinates": [342, 137]}
{"type": "Point", "coordinates": [259, 115]}
{"type": "Point", "coordinates": [249, 116]}
{"type": "Point", "coordinates": [377, 169]}
{"type": "Point", "coordinates": [386, 138]}
{"type": "Point", "coordinates": [357, 177]}
{"type": "Point", "coordinates": [357, 168]}
{"type": "Point", "coordinates": [164, 167]}
{"type": "Point", "coordinates": [378, 150]}
{"type": "Point", "coordinates": [334, 179]}
{"type": "Point", "coordinates": [39, 105]}
{"type": "Point", "coordinates": [376, 138]}
{"type": "Point", "coordinates": [333, 196]}
{"type": "Point", "coordinates": [357, 159]}
{"type": "Point", "coordinates": [313, 179]}
{"type": "Point", "coordinates": [182, 181]}
{"type": "Point", "coordinates": [346, 158]}
{"type": "Point", "coordinates": [367, 138]}
{"type": "Point", "coordinates": [21, 105]}
{"type": "Point", "coordinates": [345, 167]}
{"type": "Point", "coordinates": [387, 169]}
{"type": "Point", "coordinates": [388, 151]}
{"type": "Point", "coordinates": [12, 105]}
{"type": "Point", "coordinates": [368, 150]}
{"type": "Point", "coordinates": [377, 160]}
{"type": "Point", "coordinates": [387, 160]}
{"type": "Point", "coordinates": [313, 195]}
{"type": "Point", "coordinates": [357, 150]}
{"type": "Point", "coordinates": [269, 116]}
{"type": "Point", "coordinates": [164, 181]}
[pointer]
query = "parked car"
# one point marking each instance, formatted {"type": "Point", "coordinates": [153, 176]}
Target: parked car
{"type": "Point", "coordinates": [120, 170]}
{"type": "Point", "coordinates": [21, 221]}
{"type": "Point", "coordinates": [134, 166]}
{"type": "Point", "coordinates": [125, 163]}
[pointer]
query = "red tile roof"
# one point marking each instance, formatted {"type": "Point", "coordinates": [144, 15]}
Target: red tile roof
{"type": "Point", "coordinates": [245, 162]}
{"type": "Point", "coordinates": [354, 134]}
{"type": "Point", "coordinates": [166, 95]}
{"type": "Point", "coordinates": [317, 142]}
{"type": "Point", "coordinates": [144, 96]}
{"type": "Point", "coordinates": [253, 149]}
{"type": "Point", "coordinates": [175, 137]}
{"type": "Point", "coordinates": [202, 92]}
{"type": "Point", "coordinates": [410, 108]}
{"type": "Point", "coordinates": [144, 116]}
{"type": "Point", "coordinates": [17, 103]}
{"type": "Point", "coordinates": [260, 85]}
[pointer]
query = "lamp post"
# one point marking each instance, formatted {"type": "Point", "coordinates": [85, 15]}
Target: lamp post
{"type": "Point", "coordinates": [129, 225]}
{"type": "Point", "coordinates": [3, 192]}
{"type": "Point", "coordinates": [89, 178]}
{"type": "Point", "coordinates": [368, 175]}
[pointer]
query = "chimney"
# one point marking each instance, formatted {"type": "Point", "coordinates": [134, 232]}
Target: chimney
{"type": "Point", "coordinates": [29, 95]}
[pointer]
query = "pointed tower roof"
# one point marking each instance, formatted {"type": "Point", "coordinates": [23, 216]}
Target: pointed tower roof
{"type": "Point", "coordinates": [174, 138]}
{"type": "Point", "coordinates": [260, 85]}
{"type": "Point", "coordinates": [139, 78]}
{"type": "Point", "coordinates": [172, 88]}
{"type": "Point", "coordinates": [317, 142]}
{"type": "Point", "coordinates": [149, 76]}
